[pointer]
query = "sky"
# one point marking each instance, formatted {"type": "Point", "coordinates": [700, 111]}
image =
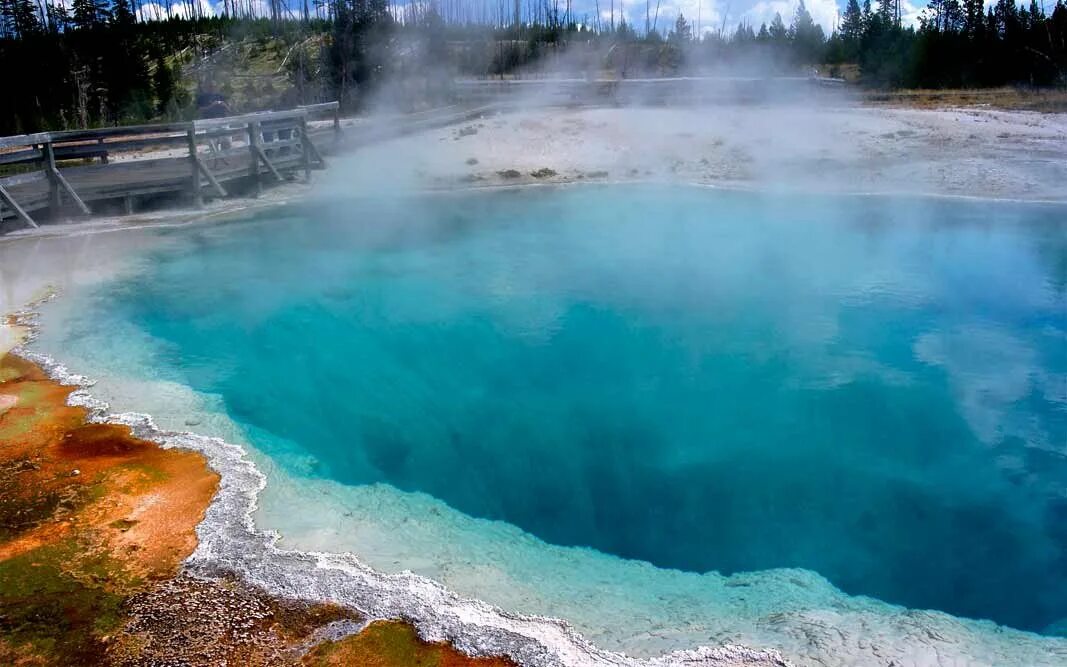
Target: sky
{"type": "Point", "coordinates": [705, 15]}
{"type": "Point", "coordinates": [754, 12]}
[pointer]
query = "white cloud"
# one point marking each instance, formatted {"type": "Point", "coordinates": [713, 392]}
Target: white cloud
{"type": "Point", "coordinates": [702, 12]}
{"type": "Point", "coordinates": [991, 371]}
{"type": "Point", "coordinates": [156, 12]}
{"type": "Point", "coordinates": [823, 12]}
{"type": "Point", "coordinates": [910, 13]}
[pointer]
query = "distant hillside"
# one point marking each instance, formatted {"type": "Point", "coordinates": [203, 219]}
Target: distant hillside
{"type": "Point", "coordinates": [260, 72]}
{"type": "Point", "coordinates": [134, 72]}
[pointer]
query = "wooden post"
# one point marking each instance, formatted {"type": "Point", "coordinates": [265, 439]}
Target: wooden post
{"type": "Point", "coordinates": [128, 204]}
{"type": "Point", "coordinates": [54, 199]}
{"type": "Point", "coordinates": [306, 153]}
{"type": "Point", "coordinates": [253, 156]}
{"type": "Point", "coordinates": [256, 142]}
{"type": "Point", "coordinates": [210, 177]}
{"type": "Point", "coordinates": [194, 168]}
{"type": "Point", "coordinates": [337, 125]}
{"type": "Point", "coordinates": [14, 205]}
{"type": "Point", "coordinates": [57, 182]}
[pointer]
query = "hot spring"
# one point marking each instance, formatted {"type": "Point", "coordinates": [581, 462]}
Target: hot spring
{"type": "Point", "coordinates": [670, 415]}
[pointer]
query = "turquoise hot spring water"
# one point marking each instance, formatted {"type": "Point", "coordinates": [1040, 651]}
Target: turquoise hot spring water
{"type": "Point", "coordinates": [873, 389]}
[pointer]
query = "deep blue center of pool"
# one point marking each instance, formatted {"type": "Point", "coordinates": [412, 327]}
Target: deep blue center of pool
{"type": "Point", "coordinates": [872, 388]}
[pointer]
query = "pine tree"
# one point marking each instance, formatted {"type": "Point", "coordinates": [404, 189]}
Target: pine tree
{"type": "Point", "coordinates": [678, 43]}
{"type": "Point", "coordinates": [122, 14]}
{"type": "Point", "coordinates": [951, 16]}
{"type": "Point", "coordinates": [58, 17]}
{"type": "Point", "coordinates": [1036, 15]}
{"type": "Point", "coordinates": [778, 32]}
{"type": "Point", "coordinates": [89, 13]}
{"type": "Point", "coordinates": [852, 23]}
{"type": "Point", "coordinates": [743, 34]}
{"type": "Point", "coordinates": [163, 85]}
{"type": "Point", "coordinates": [1007, 15]}
{"type": "Point", "coordinates": [18, 18]}
{"type": "Point", "coordinates": [888, 11]}
{"type": "Point", "coordinates": [972, 17]}
{"type": "Point", "coordinates": [682, 32]}
{"type": "Point", "coordinates": [807, 37]}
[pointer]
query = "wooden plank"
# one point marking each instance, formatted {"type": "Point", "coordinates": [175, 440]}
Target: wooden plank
{"type": "Point", "coordinates": [221, 125]}
{"type": "Point", "coordinates": [73, 195]}
{"type": "Point", "coordinates": [276, 144]}
{"type": "Point", "coordinates": [305, 154]}
{"type": "Point", "coordinates": [147, 143]}
{"type": "Point", "coordinates": [224, 155]}
{"type": "Point", "coordinates": [53, 183]}
{"type": "Point", "coordinates": [78, 152]}
{"type": "Point", "coordinates": [253, 139]}
{"type": "Point", "coordinates": [145, 167]}
{"type": "Point", "coordinates": [24, 140]}
{"type": "Point", "coordinates": [272, 116]}
{"type": "Point", "coordinates": [194, 172]}
{"type": "Point", "coordinates": [14, 206]}
{"type": "Point", "coordinates": [215, 123]}
{"type": "Point", "coordinates": [231, 132]}
{"type": "Point", "coordinates": [309, 147]}
{"type": "Point", "coordinates": [118, 131]}
{"type": "Point", "coordinates": [145, 189]}
{"type": "Point", "coordinates": [27, 155]}
{"type": "Point", "coordinates": [57, 181]}
{"type": "Point", "coordinates": [270, 167]}
{"type": "Point", "coordinates": [291, 123]}
{"type": "Point", "coordinates": [23, 179]}
{"type": "Point", "coordinates": [322, 107]}
{"type": "Point", "coordinates": [224, 171]}
{"type": "Point", "coordinates": [210, 177]}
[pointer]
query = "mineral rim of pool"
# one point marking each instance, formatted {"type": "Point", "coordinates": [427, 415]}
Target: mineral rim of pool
{"type": "Point", "coordinates": [672, 416]}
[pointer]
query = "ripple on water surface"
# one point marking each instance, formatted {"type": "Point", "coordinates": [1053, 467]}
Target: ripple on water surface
{"type": "Point", "coordinates": [870, 389]}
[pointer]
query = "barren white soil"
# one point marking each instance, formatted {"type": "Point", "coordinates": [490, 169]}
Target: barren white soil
{"type": "Point", "coordinates": [840, 148]}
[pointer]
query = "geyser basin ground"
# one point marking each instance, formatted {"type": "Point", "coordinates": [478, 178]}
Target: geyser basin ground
{"type": "Point", "coordinates": [520, 394]}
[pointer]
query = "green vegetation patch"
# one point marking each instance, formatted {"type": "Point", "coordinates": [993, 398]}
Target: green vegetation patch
{"type": "Point", "coordinates": [392, 644]}
{"type": "Point", "coordinates": [59, 606]}
{"type": "Point", "coordinates": [380, 644]}
{"type": "Point", "coordinates": [25, 503]}
{"type": "Point", "coordinates": [17, 422]}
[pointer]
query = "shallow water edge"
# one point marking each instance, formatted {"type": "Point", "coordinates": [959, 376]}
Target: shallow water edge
{"type": "Point", "coordinates": [229, 542]}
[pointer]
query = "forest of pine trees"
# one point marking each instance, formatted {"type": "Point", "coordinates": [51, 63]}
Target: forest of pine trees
{"type": "Point", "coordinates": [92, 62]}
{"type": "Point", "coordinates": [957, 44]}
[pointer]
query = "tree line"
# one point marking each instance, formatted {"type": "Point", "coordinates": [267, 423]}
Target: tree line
{"type": "Point", "coordinates": [106, 62]}
{"type": "Point", "coordinates": [956, 44]}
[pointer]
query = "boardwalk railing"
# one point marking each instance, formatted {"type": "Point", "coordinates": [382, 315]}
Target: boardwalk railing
{"type": "Point", "coordinates": [198, 158]}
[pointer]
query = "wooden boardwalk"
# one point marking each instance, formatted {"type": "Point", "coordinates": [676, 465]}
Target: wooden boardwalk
{"type": "Point", "coordinates": [195, 160]}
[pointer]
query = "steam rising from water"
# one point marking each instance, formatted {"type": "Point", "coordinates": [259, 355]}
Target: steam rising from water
{"type": "Point", "coordinates": [787, 608]}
